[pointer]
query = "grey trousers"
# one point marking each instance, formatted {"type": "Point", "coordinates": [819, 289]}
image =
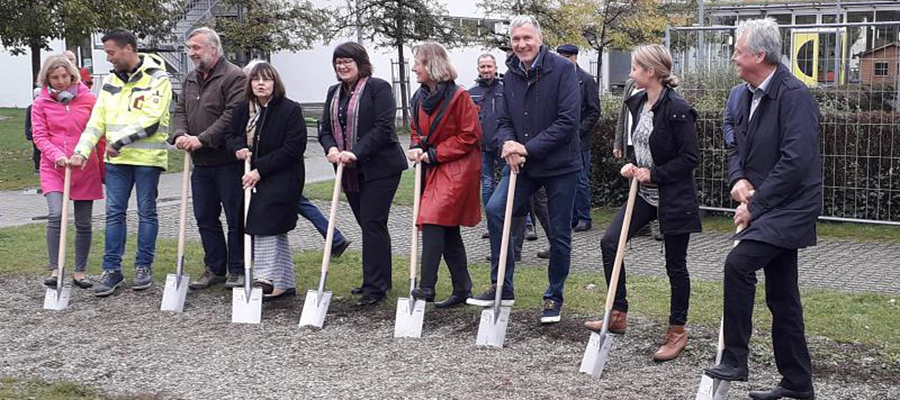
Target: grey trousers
{"type": "Point", "coordinates": [273, 260]}
{"type": "Point", "coordinates": [82, 230]}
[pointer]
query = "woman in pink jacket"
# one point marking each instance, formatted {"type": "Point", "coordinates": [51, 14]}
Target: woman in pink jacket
{"type": "Point", "coordinates": [58, 117]}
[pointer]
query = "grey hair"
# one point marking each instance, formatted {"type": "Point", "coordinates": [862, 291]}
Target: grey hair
{"type": "Point", "coordinates": [487, 55]}
{"type": "Point", "coordinates": [762, 37]}
{"type": "Point", "coordinates": [522, 20]}
{"type": "Point", "coordinates": [212, 38]}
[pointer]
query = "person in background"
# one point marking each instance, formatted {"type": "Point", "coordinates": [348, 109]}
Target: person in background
{"type": "Point", "coordinates": [488, 97]}
{"type": "Point", "coordinates": [590, 114]}
{"type": "Point", "coordinates": [445, 138]}
{"type": "Point", "coordinates": [358, 131]}
{"type": "Point", "coordinates": [58, 117]}
{"type": "Point", "coordinates": [82, 71]}
{"type": "Point", "coordinates": [132, 113]}
{"type": "Point", "coordinates": [35, 153]}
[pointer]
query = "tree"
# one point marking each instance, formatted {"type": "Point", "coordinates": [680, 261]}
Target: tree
{"type": "Point", "coordinates": [32, 24]}
{"type": "Point", "coordinates": [394, 23]}
{"type": "Point", "coordinates": [266, 26]}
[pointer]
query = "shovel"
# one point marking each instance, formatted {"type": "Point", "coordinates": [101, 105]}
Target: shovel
{"type": "Point", "coordinates": [315, 306]}
{"type": "Point", "coordinates": [597, 351]}
{"type": "Point", "coordinates": [411, 312]}
{"type": "Point", "coordinates": [712, 388]}
{"type": "Point", "coordinates": [246, 302]}
{"type": "Point", "coordinates": [58, 298]}
{"type": "Point", "coordinates": [176, 287]}
{"type": "Point", "coordinates": [494, 320]}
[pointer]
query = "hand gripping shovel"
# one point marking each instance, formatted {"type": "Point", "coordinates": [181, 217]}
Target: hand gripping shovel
{"type": "Point", "coordinates": [712, 388]}
{"type": "Point", "coordinates": [246, 302]}
{"type": "Point", "coordinates": [597, 351]}
{"type": "Point", "coordinates": [411, 312]}
{"type": "Point", "coordinates": [177, 284]}
{"type": "Point", "coordinates": [494, 320]}
{"type": "Point", "coordinates": [315, 306]}
{"type": "Point", "coordinates": [58, 298]}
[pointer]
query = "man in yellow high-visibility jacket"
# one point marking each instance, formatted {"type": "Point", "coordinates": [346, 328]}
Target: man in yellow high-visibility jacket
{"type": "Point", "coordinates": [132, 112]}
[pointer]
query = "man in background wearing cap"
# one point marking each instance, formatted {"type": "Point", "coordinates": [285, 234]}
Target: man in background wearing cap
{"type": "Point", "coordinates": [590, 114]}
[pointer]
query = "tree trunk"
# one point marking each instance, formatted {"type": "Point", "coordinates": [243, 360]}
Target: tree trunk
{"type": "Point", "coordinates": [35, 63]}
{"type": "Point", "coordinates": [404, 97]}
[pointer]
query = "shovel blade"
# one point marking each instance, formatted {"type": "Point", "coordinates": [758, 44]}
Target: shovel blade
{"type": "Point", "coordinates": [315, 309]}
{"type": "Point", "coordinates": [712, 389]}
{"type": "Point", "coordinates": [409, 321]}
{"type": "Point", "coordinates": [174, 293]}
{"type": "Point", "coordinates": [246, 310]}
{"type": "Point", "coordinates": [57, 300]}
{"type": "Point", "coordinates": [596, 353]}
{"type": "Point", "coordinates": [491, 331]}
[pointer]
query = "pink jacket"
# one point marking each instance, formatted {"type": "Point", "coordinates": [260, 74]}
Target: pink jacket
{"type": "Point", "coordinates": [56, 128]}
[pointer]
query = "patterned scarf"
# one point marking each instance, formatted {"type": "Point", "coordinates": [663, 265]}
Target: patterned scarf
{"type": "Point", "coordinates": [64, 96]}
{"type": "Point", "coordinates": [251, 123]}
{"type": "Point", "coordinates": [346, 140]}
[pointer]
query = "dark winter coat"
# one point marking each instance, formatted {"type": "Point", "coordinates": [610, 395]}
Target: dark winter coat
{"type": "Point", "coordinates": [488, 97]}
{"type": "Point", "coordinates": [590, 108]}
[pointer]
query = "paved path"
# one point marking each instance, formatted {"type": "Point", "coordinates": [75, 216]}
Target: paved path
{"type": "Point", "coordinates": [833, 264]}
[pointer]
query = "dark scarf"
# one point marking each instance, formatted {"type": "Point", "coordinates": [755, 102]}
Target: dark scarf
{"type": "Point", "coordinates": [431, 99]}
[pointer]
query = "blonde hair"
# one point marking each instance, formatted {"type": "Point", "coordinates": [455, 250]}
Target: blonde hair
{"type": "Point", "coordinates": [436, 61]}
{"type": "Point", "coordinates": [51, 64]}
{"type": "Point", "coordinates": [656, 57]}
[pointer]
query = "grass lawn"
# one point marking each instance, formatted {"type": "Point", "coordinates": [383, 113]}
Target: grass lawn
{"type": "Point", "coordinates": [17, 169]}
{"type": "Point", "coordinates": [602, 216]}
{"type": "Point", "coordinates": [870, 320]}
{"type": "Point", "coordinates": [17, 389]}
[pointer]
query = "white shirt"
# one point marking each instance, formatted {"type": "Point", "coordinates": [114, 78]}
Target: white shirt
{"type": "Point", "coordinates": [630, 120]}
{"type": "Point", "coordinates": [758, 92]}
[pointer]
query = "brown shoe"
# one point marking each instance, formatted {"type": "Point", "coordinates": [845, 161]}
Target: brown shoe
{"type": "Point", "coordinates": [617, 323]}
{"type": "Point", "coordinates": [676, 339]}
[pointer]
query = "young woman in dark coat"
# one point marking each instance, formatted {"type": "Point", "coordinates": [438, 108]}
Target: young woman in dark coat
{"type": "Point", "coordinates": [358, 130]}
{"type": "Point", "coordinates": [269, 130]}
{"type": "Point", "coordinates": [663, 161]}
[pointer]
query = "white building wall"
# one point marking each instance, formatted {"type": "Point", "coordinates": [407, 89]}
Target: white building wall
{"type": "Point", "coordinates": [15, 76]}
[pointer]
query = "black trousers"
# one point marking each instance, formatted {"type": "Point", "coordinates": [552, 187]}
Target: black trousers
{"type": "Point", "coordinates": [783, 299]}
{"type": "Point", "coordinates": [676, 260]}
{"type": "Point", "coordinates": [371, 206]}
{"type": "Point", "coordinates": [216, 188]}
{"type": "Point", "coordinates": [446, 241]}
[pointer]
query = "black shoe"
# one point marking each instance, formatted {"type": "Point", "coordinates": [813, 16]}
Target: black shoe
{"type": "Point", "coordinates": [582, 226]}
{"type": "Point", "coordinates": [370, 299]}
{"type": "Point", "coordinates": [82, 283]}
{"type": "Point", "coordinates": [530, 234]}
{"type": "Point", "coordinates": [779, 392]}
{"type": "Point", "coordinates": [726, 372]}
{"type": "Point", "coordinates": [421, 293]}
{"type": "Point", "coordinates": [338, 249]}
{"type": "Point", "coordinates": [109, 281]}
{"type": "Point", "coordinates": [357, 290]}
{"type": "Point", "coordinates": [486, 299]}
{"type": "Point", "coordinates": [545, 254]}
{"type": "Point", "coordinates": [50, 282]}
{"type": "Point", "coordinates": [486, 235]}
{"type": "Point", "coordinates": [517, 257]}
{"type": "Point", "coordinates": [266, 286]}
{"type": "Point", "coordinates": [454, 300]}
{"type": "Point", "coordinates": [280, 296]}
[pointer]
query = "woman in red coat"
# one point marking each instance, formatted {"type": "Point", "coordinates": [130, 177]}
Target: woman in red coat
{"type": "Point", "coordinates": [446, 139]}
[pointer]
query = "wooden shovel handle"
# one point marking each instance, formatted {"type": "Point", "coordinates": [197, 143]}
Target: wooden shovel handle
{"type": "Point", "coordinates": [185, 186]}
{"type": "Point", "coordinates": [620, 250]}
{"type": "Point", "coordinates": [63, 224]}
{"type": "Point", "coordinates": [507, 223]}
{"type": "Point", "coordinates": [414, 246]}
{"type": "Point", "coordinates": [332, 215]}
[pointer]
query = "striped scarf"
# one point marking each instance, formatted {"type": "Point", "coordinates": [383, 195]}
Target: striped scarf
{"type": "Point", "coordinates": [346, 140]}
{"type": "Point", "coordinates": [251, 123]}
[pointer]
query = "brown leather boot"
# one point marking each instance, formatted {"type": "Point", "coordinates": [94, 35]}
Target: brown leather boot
{"type": "Point", "coordinates": [676, 339]}
{"type": "Point", "coordinates": [617, 323]}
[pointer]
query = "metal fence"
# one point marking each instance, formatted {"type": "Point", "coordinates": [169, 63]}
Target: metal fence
{"type": "Point", "coordinates": [853, 70]}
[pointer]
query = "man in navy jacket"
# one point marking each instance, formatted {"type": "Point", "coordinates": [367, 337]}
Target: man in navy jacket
{"type": "Point", "coordinates": [776, 174]}
{"type": "Point", "coordinates": [538, 122]}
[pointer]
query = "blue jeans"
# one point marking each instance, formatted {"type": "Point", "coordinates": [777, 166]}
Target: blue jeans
{"type": "Point", "coordinates": [560, 199]}
{"type": "Point", "coordinates": [120, 179]}
{"type": "Point", "coordinates": [491, 163]}
{"type": "Point", "coordinates": [214, 188]}
{"type": "Point", "coordinates": [308, 210]}
{"type": "Point", "coordinates": [582, 209]}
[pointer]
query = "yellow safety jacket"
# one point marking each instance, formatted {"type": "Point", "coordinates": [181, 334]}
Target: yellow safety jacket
{"type": "Point", "coordinates": [134, 116]}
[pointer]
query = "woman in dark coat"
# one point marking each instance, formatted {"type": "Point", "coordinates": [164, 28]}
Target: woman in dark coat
{"type": "Point", "coordinates": [663, 161]}
{"type": "Point", "coordinates": [358, 130]}
{"type": "Point", "coordinates": [446, 139]}
{"type": "Point", "coordinates": [269, 129]}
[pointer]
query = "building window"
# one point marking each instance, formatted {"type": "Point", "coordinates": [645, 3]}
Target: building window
{"type": "Point", "coordinates": [881, 69]}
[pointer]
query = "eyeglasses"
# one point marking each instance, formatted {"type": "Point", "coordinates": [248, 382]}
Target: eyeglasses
{"type": "Point", "coordinates": [261, 79]}
{"type": "Point", "coordinates": [342, 63]}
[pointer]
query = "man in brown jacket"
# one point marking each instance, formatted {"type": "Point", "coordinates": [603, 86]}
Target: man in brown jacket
{"type": "Point", "coordinates": [202, 114]}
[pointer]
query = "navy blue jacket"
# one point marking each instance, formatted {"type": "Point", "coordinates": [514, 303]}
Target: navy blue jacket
{"type": "Point", "coordinates": [731, 106]}
{"type": "Point", "coordinates": [778, 152]}
{"type": "Point", "coordinates": [590, 108]}
{"type": "Point", "coordinates": [542, 110]}
{"type": "Point", "coordinates": [488, 98]}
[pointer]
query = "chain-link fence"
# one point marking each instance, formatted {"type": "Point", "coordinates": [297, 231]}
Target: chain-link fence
{"type": "Point", "coordinates": [853, 70]}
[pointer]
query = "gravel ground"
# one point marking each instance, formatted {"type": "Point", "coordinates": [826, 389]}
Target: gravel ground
{"type": "Point", "coordinates": [124, 346]}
